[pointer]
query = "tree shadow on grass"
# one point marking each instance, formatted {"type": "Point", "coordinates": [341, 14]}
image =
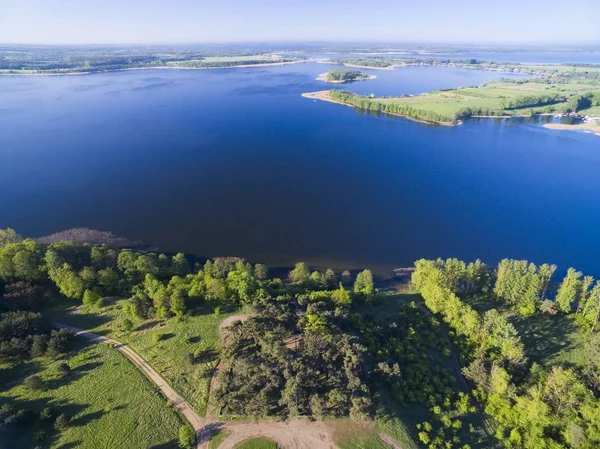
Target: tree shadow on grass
{"type": "Point", "coordinates": [173, 444]}
{"type": "Point", "coordinates": [26, 434]}
{"type": "Point", "coordinates": [71, 445]}
{"type": "Point", "coordinates": [147, 325]}
{"type": "Point", "coordinates": [12, 375]}
{"type": "Point", "coordinates": [544, 336]}
{"type": "Point", "coordinates": [87, 418]}
{"type": "Point", "coordinates": [205, 356]}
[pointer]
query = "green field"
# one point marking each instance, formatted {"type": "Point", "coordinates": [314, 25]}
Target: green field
{"type": "Point", "coordinates": [258, 443]}
{"type": "Point", "coordinates": [110, 403]}
{"type": "Point", "coordinates": [185, 355]}
{"type": "Point", "coordinates": [490, 96]}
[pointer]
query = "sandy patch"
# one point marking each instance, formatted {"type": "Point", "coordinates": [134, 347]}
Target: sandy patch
{"type": "Point", "coordinates": [593, 127]}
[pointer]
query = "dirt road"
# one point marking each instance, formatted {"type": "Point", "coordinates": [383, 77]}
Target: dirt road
{"type": "Point", "coordinates": [294, 434]}
{"type": "Point", "coordinates": [197, 422]}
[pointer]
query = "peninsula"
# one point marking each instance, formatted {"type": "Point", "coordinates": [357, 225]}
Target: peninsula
{"type": "Point", "coordinates": [552, 90]}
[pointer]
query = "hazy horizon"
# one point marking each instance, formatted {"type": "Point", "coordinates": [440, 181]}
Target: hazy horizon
{"type": "Point", "coordinates": [430, 22]}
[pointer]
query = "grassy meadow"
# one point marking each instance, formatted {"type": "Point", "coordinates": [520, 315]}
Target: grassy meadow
{"type": "Point", "coordinates": [490, 96]}
{"type": "Point", "coordinates": [185, 352]}
{"type": "Point", "coordinates": [109, 402]}
{"type": "Point", "coordinates": [258, 443]}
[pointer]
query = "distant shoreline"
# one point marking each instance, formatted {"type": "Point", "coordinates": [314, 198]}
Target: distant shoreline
{"type": "Point", "coordinates": [240, 66]}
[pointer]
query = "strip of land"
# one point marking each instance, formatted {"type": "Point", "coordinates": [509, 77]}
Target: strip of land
{"type": "Point", "coordinates": [554, 90]}
{"type": "Point", "coordinates": [593, 127]}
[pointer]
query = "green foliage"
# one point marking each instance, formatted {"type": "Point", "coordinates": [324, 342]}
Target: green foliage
{"type": "Point", "coordinates": [531, 407]}
{"type": "Point", "coordinates": [187, 437]}
{"type": "Point", "coordinates": [8, 236]}
{"type": "Point", "coordinates": [258, 443]}
{"type": "Point", "coordinates": [569, 291]}
{"type": "Point", "coordinates": [376, 105]}
{"type": "Point", "coordinates": [364, 284]}
{"type": "Point", "coordinates": [523, 284]}
{"type": "Point", "coordinates": [300, 274]}
{"type": "Point", "coordinates": [344, 75]}
{"type": "Point", "coordinates": [117, 404]}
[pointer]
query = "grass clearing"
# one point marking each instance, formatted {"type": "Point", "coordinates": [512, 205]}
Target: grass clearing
{"type": "Point", "coordinates": [258, 443]}
{"type": "Point", "coordinates": [489, 99]}
{"type": "Point", "coordinates": [111, 404]}
{"type": "Point", "coordinates": [185, 354]}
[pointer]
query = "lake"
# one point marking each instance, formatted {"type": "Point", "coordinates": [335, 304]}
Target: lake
{"type": "Point", "coordinates": [236, 162]}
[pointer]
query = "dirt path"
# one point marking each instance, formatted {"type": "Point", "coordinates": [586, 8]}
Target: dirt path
{"type": "Point", "coordinates": [197, 422]}
{"type": "Point", "coordinates": [389, 440]}
{"type": "Point", "coordinates": [294, 434]}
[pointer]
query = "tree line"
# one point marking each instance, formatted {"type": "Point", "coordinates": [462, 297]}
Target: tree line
{"type": "Point", "coordinates": [532, 406]}
{"type": "Point", "coordinates": [372, 104]}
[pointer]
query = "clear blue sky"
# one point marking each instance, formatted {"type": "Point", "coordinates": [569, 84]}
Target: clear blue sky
{"type": "Point", "coordinates": [173, 21]}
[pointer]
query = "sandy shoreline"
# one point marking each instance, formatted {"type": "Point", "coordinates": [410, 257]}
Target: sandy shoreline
{"type": "Point", "coordinates": [323, 95]}
{"type": "Point", "coordinates": [593, 127]}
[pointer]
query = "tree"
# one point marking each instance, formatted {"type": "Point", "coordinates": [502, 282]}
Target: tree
{"type": "Point", "coordinates": [187, 437]}
{"type": "Point", "coordinates": [68, 281]}
{"type": "Point", "coordinates": [178, 307]}
{"type": "Point", "coordinates": [569, 291]}
{"type": "Point", "coordinates": [261, 272]}
{"type": "Point", "coordinates": [562, 389]}
{"type": "Point", "coordinates": [35, 383]}
{"type": "Point", "coordinates": [8, 236]}
{"type": "Point", "coordinates": [64, 369]}
{"type": "Point", "coordinates": [364, 283]}
{"type": "Point", "coordinates": [39, 343]}
{"type": "Point", "coordinates": [179, 265]}
{"type": "Point", "coordinates": [300, 274]}
{"type": "Point", "coordinates": [62, 422]}
{"type": "Point", "coordinates": [341, 297]}
{"type": "Point", "coordinates": [127, 325]}
{"type": "Point", "coordinates": [91, 298]}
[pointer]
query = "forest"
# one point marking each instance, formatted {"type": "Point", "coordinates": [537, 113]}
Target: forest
{"type": "Point", "coordinates": [344, 75]}
{"type": "Point", "coordinates": [502, 356]}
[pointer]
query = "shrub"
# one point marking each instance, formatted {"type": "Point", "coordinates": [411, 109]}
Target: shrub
{"type": "Point", "coordinates": [64, 369]}
{"type": "Point", "coordinates": [187, 437]}
{"type": "Point", "coordinates": [62, 422]}
{"type": "Point", "coordinates": [35, 383]}
{"type": "Point", "coordinates": [127, 325]}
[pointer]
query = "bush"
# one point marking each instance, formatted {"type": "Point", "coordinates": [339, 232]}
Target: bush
{"type": "Point", "coordinates": [127, 325]}
{"type": "Point", "coordinates": [47, 414]}
{"type": "Point", "coordinates": [64, 369]}
{"type": "Point", "coordinates": [35, 383]}
{"type": "Point", "coordinates": [187, 437]}
{"type": "Point", "coordinates": [62, 422]}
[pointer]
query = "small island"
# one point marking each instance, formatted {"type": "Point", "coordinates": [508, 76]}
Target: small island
{"type": "Point", "coordinates": [344, 76]}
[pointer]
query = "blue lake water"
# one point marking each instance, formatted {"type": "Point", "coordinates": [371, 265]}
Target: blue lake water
{"type": "Point", "coordinates": [236, 162]}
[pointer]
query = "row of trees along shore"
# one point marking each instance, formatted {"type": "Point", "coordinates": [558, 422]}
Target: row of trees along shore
{"type": "Point", "coordinates": [532, 404]}
{"type": "Point", "coordinates": [311, 346]}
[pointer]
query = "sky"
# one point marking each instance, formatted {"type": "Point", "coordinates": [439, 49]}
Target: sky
{"type": "Point", "coordinates": [194, 21]}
